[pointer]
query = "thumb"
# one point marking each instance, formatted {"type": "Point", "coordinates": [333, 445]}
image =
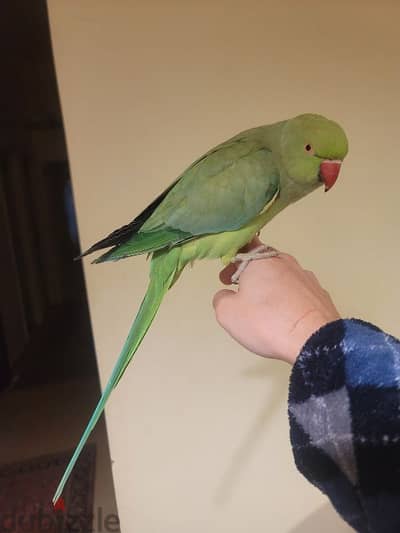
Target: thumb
{"type": "Point", "coordinates": [223, 303]}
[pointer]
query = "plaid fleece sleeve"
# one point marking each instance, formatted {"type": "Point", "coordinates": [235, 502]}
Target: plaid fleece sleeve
{"type": "Point", "coordinates": [344, 412]}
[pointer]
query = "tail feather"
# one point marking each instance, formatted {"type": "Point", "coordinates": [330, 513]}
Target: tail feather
{"type": "Point", "coordinates": [164, 272]}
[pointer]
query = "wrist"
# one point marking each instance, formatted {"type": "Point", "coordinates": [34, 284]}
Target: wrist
{"type": "Point", "coordinates": [304, 328]}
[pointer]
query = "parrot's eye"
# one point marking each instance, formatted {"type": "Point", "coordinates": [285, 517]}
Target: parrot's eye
{"type": "Point", "coordinates": [308, 148]}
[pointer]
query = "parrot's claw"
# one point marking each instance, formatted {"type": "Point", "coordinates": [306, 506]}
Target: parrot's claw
{"type": "Point", "coordinates": [261, 252]}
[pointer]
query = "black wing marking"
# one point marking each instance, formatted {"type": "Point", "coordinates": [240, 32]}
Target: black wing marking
{"type": "Point", "coordinates": [124, 233]}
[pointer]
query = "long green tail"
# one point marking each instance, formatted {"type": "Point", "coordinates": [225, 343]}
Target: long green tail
{"type": "Point", "coordinates": [164, 272]}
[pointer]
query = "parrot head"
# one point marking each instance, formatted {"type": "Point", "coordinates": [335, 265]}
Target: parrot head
{"type": "Point", "coordinates": [313, 149]}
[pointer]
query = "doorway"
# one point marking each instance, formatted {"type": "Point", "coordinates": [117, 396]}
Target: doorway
{"type": "Point", "coordinates": [48, 373]}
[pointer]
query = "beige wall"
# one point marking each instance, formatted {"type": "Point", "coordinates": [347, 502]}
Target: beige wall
{"type": "Point", "coordinates": [198, 427]}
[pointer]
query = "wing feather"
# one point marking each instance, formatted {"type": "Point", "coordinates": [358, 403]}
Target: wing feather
{"type": "Point", "coordinates": [221, 191]}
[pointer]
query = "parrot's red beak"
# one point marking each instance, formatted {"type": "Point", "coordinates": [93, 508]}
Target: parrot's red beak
{"type": "Point", "coordinates": [329, 172]}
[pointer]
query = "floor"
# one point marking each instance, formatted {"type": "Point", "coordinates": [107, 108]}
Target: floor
{"type": "Point", "coordinates": [46, 419]}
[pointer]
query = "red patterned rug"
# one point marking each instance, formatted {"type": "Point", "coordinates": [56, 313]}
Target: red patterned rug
{"type": "Point", "coordinates": [26, 489]}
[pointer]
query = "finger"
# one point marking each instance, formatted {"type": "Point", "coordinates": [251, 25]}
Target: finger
{"type": "Point", "coordinates": [221, 298]}
{"type": "Point", "coordinates": [222, 301]}
{"type": "Point", "coordinates": [226, 274]}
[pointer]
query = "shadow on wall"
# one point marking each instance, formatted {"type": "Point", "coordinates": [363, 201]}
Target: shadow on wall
{"type": "Point", "coordinates": [277, 378]}
{"type": "Point", "coordinates": [323, 519]}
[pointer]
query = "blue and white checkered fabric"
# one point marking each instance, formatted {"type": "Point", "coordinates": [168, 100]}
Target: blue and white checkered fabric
{"type": "Point", "coordinates": [344, 411]}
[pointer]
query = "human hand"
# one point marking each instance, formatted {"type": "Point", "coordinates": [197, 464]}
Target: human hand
{"type": "Point", "coordinates": [277, 307]}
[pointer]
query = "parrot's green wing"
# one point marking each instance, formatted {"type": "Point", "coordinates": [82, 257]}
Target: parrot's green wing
{"type": "Point", "coordinates": [221, 191]}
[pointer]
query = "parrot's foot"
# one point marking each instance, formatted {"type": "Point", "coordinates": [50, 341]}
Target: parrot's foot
{"type": "Point", "coordinates": [261, 252]}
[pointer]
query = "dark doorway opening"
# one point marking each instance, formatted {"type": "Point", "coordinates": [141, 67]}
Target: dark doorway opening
{"type": "Point", "coordinates": [46, 346]}
{"type": "Point", "coordinates": [45, 326]}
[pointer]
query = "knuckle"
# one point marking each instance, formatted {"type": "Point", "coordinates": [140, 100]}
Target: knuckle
{"type": "Point", "coordinates": [289, 258]}
{"type": "Point", "coordinates": [311, 274]}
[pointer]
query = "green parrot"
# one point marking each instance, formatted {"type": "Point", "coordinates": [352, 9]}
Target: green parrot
{"type": "Point", "coordinates": [213, 209]}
